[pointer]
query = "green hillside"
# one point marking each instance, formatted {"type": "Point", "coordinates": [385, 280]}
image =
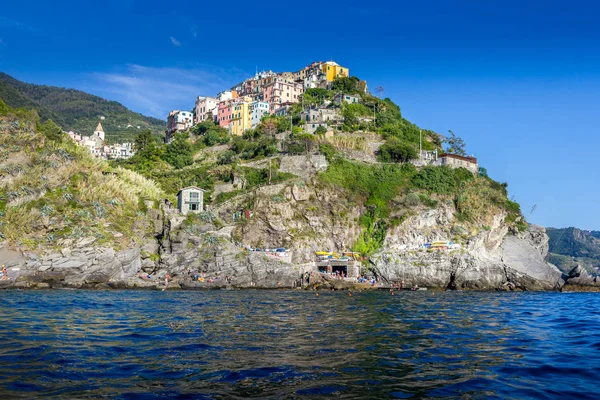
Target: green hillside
{"type": "Point", "coordinates": [52, 190]}
{"type": "Point", "coordinates": [571, 246]}
{"type": "Point", "coordinates": [76, 110]}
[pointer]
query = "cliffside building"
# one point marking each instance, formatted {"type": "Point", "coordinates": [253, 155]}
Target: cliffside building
{"type": "Point", "coordinates": [178, 121]}
{"type": "Point", "coordinates": [333, 70]}
{"type": "Point", "coordinates": [190, 200]}
{"type": "Point", "coordinates": [206, 109]}
{"type": "Point", "coordinates": [456, 161]}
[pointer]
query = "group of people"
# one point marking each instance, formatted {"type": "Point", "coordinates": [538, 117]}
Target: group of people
{"type": "Point", "coordinates": [4, 275]}
{"type": "Point", "coordinates": [363, 279]}
{"type": "Point", "coordinates": [201, 277]}
{"type": "Point", "coordinates": [147, 277]}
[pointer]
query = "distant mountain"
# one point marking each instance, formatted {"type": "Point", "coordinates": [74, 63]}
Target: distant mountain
{"type": "Point", "coordinates": [76, 110]}
{"type": "Point", "coordinates": [571, 246]}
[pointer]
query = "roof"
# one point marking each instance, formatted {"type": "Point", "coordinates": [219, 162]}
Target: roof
{"type": "Point", "coordinates": [99, 128]}
{"type": "Point", "coordinates": [464, 158]}
{"type": "Point", "coordinates": [191, 187]}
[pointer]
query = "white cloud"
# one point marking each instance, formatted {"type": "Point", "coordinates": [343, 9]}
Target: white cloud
{"type": "Point", "coordinates": [175, 41]}
{"type": "Point", "coordinates": [156, 91]}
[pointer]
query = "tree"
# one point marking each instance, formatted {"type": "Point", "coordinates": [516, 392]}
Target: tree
{"type": "Point", "coordinates": [269, 127]}
{"type": "Point", "coordinates": [216, 135]}
{"type": "Point", "coordinates": [143, 140]}
{"type": "Point", "coordinates": [395, 150]}
{"type": "Point", "coordinates": [347, 85]}
{"type": "Point", "coordinates": [179, 152]}
{"type": "Point", "coordinates": [203, 127]}
{"type": "Point", "coordinates": [52, 131]}
{"type": "Point", "coordinates": [321, 130]}
{"type": "Point", "coordinates": [455, 145]}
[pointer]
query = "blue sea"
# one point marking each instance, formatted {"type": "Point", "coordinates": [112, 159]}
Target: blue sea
{"type": "Point", "coordinates": [294, 344]}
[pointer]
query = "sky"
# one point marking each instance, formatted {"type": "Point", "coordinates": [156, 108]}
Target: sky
{"type": "Point", "coordinates": [519, 81]}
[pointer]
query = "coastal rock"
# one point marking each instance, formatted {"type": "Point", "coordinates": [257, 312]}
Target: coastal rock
{"type": "Point", "coordinates": [516, 264]}
{"type": "Point", "coordinates": [85, 267]}
{"type": "Point", "coordinates": [578, 278]}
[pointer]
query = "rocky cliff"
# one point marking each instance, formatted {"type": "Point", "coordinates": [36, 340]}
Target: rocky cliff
{"type": "Point", "coordinates": [67, 220]}
{"type": "Point", "coordinates": [303, 217]}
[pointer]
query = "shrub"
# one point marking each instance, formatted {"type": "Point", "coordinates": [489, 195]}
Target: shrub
{"type": "Point", "coordinates": [396, 151]}
{"type": "Point", "coordinates": [216, 136]}
{"type": "Point", "coordinates": [412, 199]}
{"type": "Point", "coordinates": [226, 157]}
{"type": "Point", "coordinates": [442, 180]}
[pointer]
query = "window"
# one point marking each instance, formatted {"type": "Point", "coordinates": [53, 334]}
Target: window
{"type": "Point", "coordinates": [193, 207]}
{"type": "Point", "coordinates": [194, 196]}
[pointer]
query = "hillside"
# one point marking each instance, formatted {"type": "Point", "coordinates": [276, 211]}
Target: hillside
{"type": "Point", "coordinates": [53, 192]}
{"type": "Point", "coordinates": [367, 160]}
{"type": "Point", "coordinates": [76, 110]}
{"type": "Point", "coordinates": [571, 246]}
{"type": "Point", "coordinates": [69, 220]}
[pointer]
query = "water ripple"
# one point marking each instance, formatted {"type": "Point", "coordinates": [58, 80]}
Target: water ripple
{"type": "Point", "coordinates": [289, 344]}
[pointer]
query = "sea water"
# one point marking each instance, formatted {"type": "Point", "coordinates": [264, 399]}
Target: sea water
{"type": "Point", "coordinates": [290, 344]}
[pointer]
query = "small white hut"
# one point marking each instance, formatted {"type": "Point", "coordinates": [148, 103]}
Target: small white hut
{"type": "Point", "coordinates": [190, 200]}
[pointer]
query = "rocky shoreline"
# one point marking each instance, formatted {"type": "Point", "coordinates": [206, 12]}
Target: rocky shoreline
{"type": "Point", "coordinates": [516, 263]}
{"type": "Point", "coordinates": [492, 259]}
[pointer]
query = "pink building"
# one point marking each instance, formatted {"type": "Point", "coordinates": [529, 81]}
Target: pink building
{"type": "Point", "coordinates": [224, 116]}
{"type": "Point", "coordinates": [206, 108]}
{"type": "Point", "coordinates": [279, 92]}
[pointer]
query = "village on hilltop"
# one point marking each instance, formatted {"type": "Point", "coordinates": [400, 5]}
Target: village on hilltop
{"type": "Point", "coordinates": [267, 93]}
{"type": "Point", "coordinates": [98, 147]}
{"type": "Point", "coordinates": [243, 106]}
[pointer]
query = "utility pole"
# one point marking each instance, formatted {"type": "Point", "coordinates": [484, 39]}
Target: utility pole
{"type": "Point", "coordinates": [420, 145]}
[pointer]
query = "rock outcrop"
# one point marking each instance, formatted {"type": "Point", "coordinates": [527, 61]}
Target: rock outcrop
{"type": "Point", "coordinates": [305, 219]}
{"type": "Point", "coordinates": [492, 260]}
{"type": "Point", "coordinates": [579, 279]}
{"type": "Point", "coordinates": [81, 266]}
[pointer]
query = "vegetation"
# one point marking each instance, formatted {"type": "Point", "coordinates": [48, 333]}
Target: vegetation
{"type": "Point", "coordinates": [52, 189]}
{"type": "Point", "coordinates": [98, 197]}
{"type": "Point", "coordinates": [571, 246]}
{"type": "Point", "coordinates": [455, 145]}
{"type": "Point", "coordinates": [75, 110]}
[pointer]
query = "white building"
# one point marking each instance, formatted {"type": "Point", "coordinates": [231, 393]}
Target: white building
{"type": "Point", "coordinates": [206, 108]}
{"type": "Point", "coordinates": [224, 95]}
{"type": "Point", "coordinates": [257, 110]}
{"type": "Point", "coordinates": [99, 131]}
{"type": "Point", "coordinates": [178, 121]}
{"type": "Point", "coordinates": [190, 200]}
{"type": "Point", "coordinates": [346, 98]}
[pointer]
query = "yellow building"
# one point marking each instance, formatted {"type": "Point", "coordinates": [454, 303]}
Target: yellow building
{"type": "Point", "coordinates": [241, 116]}
{"type": "Point", "coordinates": [333, 70]}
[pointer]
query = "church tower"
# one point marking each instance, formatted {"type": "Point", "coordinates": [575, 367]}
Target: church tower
{"type": "Point", "coordinates": [99, 131]}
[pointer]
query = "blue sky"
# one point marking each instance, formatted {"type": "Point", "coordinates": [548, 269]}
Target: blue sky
{"type": "Point", "coordinates": [519, 81]}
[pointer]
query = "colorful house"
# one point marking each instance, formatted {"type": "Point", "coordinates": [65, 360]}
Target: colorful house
{"type": "Point", "coordinates": [240, 117]}
{"type": "Point", "coordinates": [225, 112]}
{"type": "Point", "coordinates": [207, 108]}
{"type": "Point", "coordinates": [280, 92]}
{"type": "Point", "coordinates": [258, 109]}
{"type": "Point", "coordinates": [178, 121]}
{"type": "Point", "coordinates": [333, 70]}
